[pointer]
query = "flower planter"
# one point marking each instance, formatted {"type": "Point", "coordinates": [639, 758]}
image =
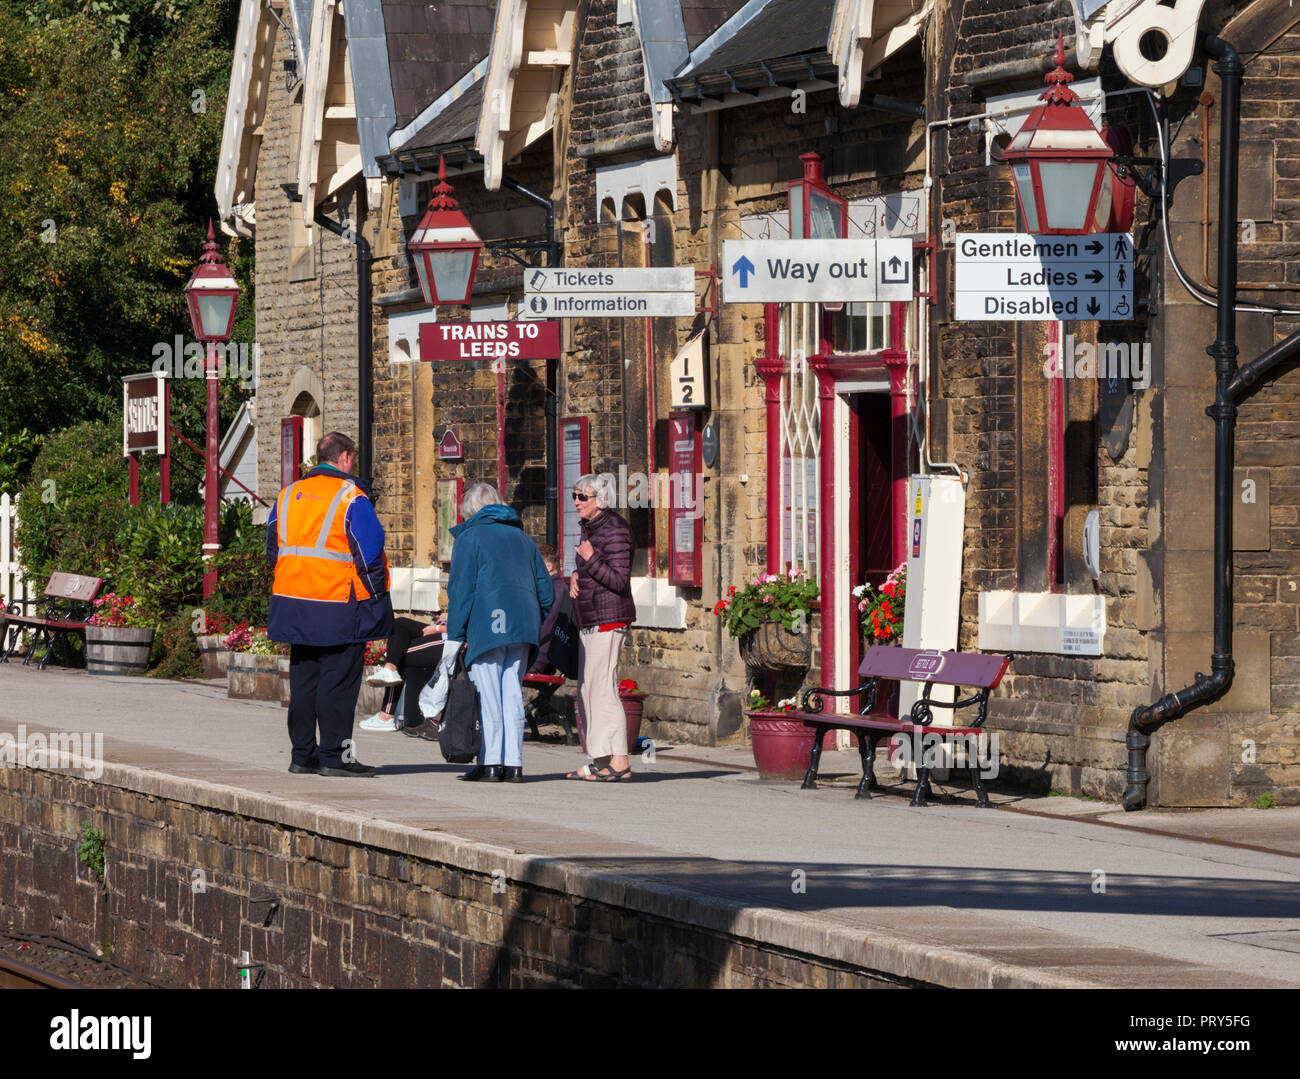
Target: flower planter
{"type": "Point", "coordinates": [117, 649]}
{"type": "Point", "coordinates": [212, 651]}
{"type": "Point", "coordinates": [772, 647]}
{"type": "Point", "coordinates": [782, 745]}
{"type": "Point", "coordinates": [251, 676]}
{"type": "Point", "coordinates": [633, 711]}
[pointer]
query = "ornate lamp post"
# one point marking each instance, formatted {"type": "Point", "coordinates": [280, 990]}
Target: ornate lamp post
{"type": "Point", "coordinates": [445, 248]}
{"type": "Point", "coordinates": [211, 295]}
{"type": "Point", "coordinates": [1059, 161]}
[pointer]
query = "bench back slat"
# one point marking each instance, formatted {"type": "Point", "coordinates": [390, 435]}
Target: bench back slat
{"type": "Point", "coordinates": [73, 586]}
{"type": "Point", "coordinates": [931, 665]}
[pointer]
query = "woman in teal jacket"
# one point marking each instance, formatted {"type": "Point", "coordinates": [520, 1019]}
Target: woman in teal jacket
{"type": "Point", "coordinates": [498, 594]}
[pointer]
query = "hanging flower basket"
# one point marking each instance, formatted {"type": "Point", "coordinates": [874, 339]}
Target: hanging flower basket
{"type": "Point", "coordinates": [772, 647]}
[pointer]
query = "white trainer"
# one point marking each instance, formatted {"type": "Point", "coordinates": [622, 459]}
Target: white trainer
{"type": "Point", "coordinates": [377, 722]}
{"type": "Point", "coordinates": [384, 677]}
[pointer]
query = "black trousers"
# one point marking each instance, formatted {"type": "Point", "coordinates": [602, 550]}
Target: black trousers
{"type": "Point", "coordinates": [417, 657]}
{"type": "Point", "coordinates": [323, 686]}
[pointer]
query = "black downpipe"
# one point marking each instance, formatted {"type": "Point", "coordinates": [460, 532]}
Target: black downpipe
{"type": "Point", "coordinates": [365, 338]}
{"type": "Point", "coordinates": [552, 494]}
{"type": "Point", "coordinates": [1146, 719]}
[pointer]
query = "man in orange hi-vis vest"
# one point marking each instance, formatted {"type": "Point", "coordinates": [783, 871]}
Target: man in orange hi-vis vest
{"type": "Point", "coordinates": [330, 597]}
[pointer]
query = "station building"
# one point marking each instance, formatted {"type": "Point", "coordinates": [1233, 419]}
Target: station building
{"type": "Point", "coordinates": [657, 132]}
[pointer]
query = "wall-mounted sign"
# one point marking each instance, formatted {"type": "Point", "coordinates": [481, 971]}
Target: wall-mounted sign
{"type": "Point", "coordinates": [144, 413]}
{"type": "Point", "coordinates": [815, 271]}
{"type": "Point", "coordinates": [1017, 277]}
{"type": "Point", "coordinates": [449, 447]}
{"type": "Point", "coordinates": [489, 341]}
{"type": "Point", "coordinates": [609, 293]}
{"type": "Point", "coordinates": [448, 494]}
{"type": "Point", "coordinates": [575, 461]}
{"type": "Point", "coordinates": [709, 445]}
{"type": "Point", "coordinates": [690, 387]}
{"type": "Point", "coordinates": [686, 501]}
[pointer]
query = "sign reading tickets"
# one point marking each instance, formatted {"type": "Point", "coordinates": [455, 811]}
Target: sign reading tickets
{"type": "Point", "coordinates": [144, 413]}
{"type": "Point", "coordinates": [489, 341]}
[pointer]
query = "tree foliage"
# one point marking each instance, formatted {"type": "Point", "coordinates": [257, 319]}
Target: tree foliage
{"type": "Point", "coordinates": [110, 118]}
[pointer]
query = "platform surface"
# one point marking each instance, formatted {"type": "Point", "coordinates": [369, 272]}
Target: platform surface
{"type": "Point", "coordinates": [1191, 899]}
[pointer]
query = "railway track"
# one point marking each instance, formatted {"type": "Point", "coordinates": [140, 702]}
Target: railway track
{"type": "Point", "coordinates": [16, 975]}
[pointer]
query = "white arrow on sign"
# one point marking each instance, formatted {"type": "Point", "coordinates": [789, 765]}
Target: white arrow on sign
{"type": "Point", "coordinates": [817, 271]}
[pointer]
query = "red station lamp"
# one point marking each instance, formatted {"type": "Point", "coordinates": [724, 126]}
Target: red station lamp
{"type": "Point", "coordinates": [1059, 161]}
{"type": "Point", "coordinates": [445, 248]}
{"type": "Point", "coordinates": [212, 296]}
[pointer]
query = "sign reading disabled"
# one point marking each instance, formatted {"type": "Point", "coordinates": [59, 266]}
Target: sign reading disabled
{"type": "Point", "coordinates": [1017, 277]}
{"type": "Point", "coordinates": [817, 271]}
{"type": "Point", "coordinates": [489, 340]}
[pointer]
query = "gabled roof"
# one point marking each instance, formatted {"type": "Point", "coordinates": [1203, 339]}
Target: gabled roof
{"type": "Point", "coordinates": [702, 17]}
{"type": "Point", "coordinates": [430, 48]}
{"type": "Point", "coordinates": [783, 43]}
{"type": "Point", "coordinates": [241, 135]}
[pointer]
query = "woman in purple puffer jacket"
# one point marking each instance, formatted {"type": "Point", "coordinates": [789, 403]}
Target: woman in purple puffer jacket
{"type": "Point", "coordinates": [601, 587]}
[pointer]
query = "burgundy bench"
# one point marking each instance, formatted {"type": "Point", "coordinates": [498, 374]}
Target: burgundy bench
{"type": "Point", "coordinates": [539, 708]}
{"type": "Point", "coordinates": [66, 606]}
{"type": "Point", "coordinates": [976, 671]}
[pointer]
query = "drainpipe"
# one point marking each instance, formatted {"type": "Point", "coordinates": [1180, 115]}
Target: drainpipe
{"type": "Point", "coordinates": [1147, 719]}
{"type": "Point", "coordinates": [552, 494]}
{"type": "Point", "coordinates": [365, 338]}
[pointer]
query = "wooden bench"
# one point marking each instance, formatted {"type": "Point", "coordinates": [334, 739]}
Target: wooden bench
{"type": "Point", "coordinates": [539, 708]}
{"type": "Point", "coordinates": [65, 606]}
{"type": "Point", "coordinates": [931, 667]}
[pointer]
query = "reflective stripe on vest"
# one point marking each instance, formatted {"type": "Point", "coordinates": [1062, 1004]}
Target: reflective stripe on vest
{"type": "Point", "coordinates": [320, 550]}
{"type": "Point", "coordinates": [316, 572]}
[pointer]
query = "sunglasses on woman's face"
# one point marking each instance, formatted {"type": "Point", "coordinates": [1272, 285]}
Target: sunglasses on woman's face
{"type": "Point", "coordinates": [580, 498]}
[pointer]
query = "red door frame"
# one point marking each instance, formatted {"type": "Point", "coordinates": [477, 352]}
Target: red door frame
{"type": "Point", "coordinates": [832, 370]}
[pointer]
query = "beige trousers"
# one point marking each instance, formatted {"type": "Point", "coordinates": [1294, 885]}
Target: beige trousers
{"type": "Point", "coordinates": [602, 711]}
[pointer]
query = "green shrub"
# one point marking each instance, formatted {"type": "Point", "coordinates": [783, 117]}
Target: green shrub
{"type": "Point", "coordinates": [175, 649]}
{"type": "Point", "coordinates": [75, 502]}
{"type": "Point", "coordinates": [160, 556]}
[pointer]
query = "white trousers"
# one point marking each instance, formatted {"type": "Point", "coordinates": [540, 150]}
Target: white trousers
{"type": "Point", "coordinates": [602, 711]}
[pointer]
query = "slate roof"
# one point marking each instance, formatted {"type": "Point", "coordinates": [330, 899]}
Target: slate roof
{"type": "Point", "coordinates": [765, 43]}
{"type": "Point", "coordinates": [431, 45]}
{"type": "Point", "coordinates": [702, 17]}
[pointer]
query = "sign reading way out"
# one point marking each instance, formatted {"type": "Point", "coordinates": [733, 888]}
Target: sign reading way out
{"type": "Point", "coordinates": [816, 271]}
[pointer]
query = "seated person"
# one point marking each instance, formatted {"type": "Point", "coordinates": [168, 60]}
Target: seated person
{"type": "Point", "coordinates": [415, 653]}
{"type": "Point", "coordinates": [542, 664]}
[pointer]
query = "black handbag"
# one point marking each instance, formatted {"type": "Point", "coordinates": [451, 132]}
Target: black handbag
{"type": "Point", "coordinates": [461, 734]}
{"type": "Point", "coordinates": [563, 652]}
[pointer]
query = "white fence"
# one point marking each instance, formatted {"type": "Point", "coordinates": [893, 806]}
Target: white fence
{"type": "Point", "coordinates": [12, 585]}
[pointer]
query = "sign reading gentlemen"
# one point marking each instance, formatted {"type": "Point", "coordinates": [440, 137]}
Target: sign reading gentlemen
{"type": "Point", "coordinates": [1017, 277]}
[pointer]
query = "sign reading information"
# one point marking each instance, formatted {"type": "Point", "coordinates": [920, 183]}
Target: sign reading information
{"type": "Point", "coordinates": [1016, 277]}
{"type": "Point", "coordinates": [608, 293]}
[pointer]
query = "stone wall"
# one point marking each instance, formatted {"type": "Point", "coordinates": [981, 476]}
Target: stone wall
{"type": "Point", "coordinates": [306, 328]}
{"type": "Point", "coordinates": [326, 900]}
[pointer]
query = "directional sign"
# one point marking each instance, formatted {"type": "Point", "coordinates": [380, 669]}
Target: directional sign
{"type": "Point", "coordinates": [816, 271]}
{"type": "Point", "coordinates": [608, 293]}
{"type": "Point", "coordinates": [489, 340]}
{"type": "Point", "coordinates": [1014, 277]}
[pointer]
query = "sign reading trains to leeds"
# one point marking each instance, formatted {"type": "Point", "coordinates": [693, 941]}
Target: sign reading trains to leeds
{"type": "Point", "coordinates": [816, 271]}
{"type": "Point", "coordinates": [1015, 277]}
{"type": "Point", "coordinates": [489, 340]}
